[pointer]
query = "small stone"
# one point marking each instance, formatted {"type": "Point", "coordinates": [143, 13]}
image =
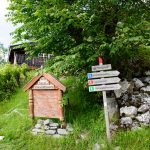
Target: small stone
{"type": "Point", "coordinates": [130, 111]}
{"type": "Point", "coordinates": [126, 121]}
{"type": "Point", "coordinates": [113, 127]}
{"type": "Point", "coordinates": [69, 127]}
{"type": "Point", "coordinates": [145, 118]}
{"type": "Point", "coordinates": [38, 126]}
{"type": "Point", "coordinates": [138, 83]}
{"type": "Point", "coordinates": [38, 130]}
{"type": "Point", "coordinates": [52, 128]}
{"type": "Point", "coordinates": [83, 135]}
{"type": "Point", "coordinates": [1, 138]}
{"type": "Point", "coordinates": [47, 122]}
{"type": "Point", "coordinates": [146, 89]}
{"type": "Point", "coordinates": [136, 128]}
{"type": "Point", "coordinates": [46, 128]}
{"type": "Point", "coordinates": [143, 108]}
{"type": "Point", "coordinates": [117, 148]}
{"type": "Point", "coordinates": [96, 146]}
{"type": "Point", "coordinates": [62, 131]}
{"type": "Point", "coordinates": [57, 136]}
{"type": "Point", "coordinates": [40, 121]}
{"type": "Point", "coordinates": [50, 132]}
{"type": "Point", "coordinates": [54, 125]}
{"type": "Point", "coordinates": [34, 133]}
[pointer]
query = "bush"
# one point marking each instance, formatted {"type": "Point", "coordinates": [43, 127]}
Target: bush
{"type": "Point", "coordinates": [10, 79]}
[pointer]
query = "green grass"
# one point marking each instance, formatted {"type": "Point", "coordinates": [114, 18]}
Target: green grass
{"type": "Point", "coordinates": [86, 118]}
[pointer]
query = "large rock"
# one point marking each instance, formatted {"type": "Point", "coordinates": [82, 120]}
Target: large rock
{"type": "Point", "coordinates": [147, 73]}
{"type": "Point", "coordinates": [138, 83]}
{"type": "Point", "coordinates": [145, 118]}
{"type": "Point", "coordinates": [136, 100]}
{"type": "Point", "coordinates": [130, 111]}
{"type": "Point", "coordinates": [147, 80]}
{"type": "Point", "coordinates": [146, 100]}
{"type": "Point", "coordinates": [50, 132]}
{"type": "Point", "coordinates": [62, 131]}
{"type": "Point", "coordinates": [126, 121]}
{"type": "Point", "coordinates": [113, 109]}
{"type": "Point", "coordinates": [146, 89]}
{"type": "Point", "coordinates": [124, 87]}
{"type": "Point", "coordinates": [143, 108]}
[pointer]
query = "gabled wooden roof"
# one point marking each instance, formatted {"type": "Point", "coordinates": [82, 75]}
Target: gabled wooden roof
{"type": "Point", "coordinates": [49, 77]}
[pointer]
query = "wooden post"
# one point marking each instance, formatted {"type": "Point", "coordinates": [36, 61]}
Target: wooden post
{"type": "Point", "coordinates": [61, 109]}
{"type": "Point", "coordinates": [100, 60]}
{"type": "Point", "coordinates": [106, 115]}
{"type": "Point", "coordinates": [31, 104]}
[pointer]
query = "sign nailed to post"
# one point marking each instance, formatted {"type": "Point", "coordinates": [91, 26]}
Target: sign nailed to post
{"type": "Point", "coordinates": [103, 81]}
{"type": "Point", "coordinates": [98, 82]}
{"type": "Point", "coordinates": [103, 74]}
{"type": "Point", "coordinates": [104, 87]}
{"type": "Point", "coordinates": [101, 67]}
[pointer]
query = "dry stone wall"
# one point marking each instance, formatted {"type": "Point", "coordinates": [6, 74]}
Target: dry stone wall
{"type": "Point", "coordinates": [134, 103]}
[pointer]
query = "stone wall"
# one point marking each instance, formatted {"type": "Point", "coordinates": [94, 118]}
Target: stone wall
{"type": "Point", "coordinates": [134, 102]}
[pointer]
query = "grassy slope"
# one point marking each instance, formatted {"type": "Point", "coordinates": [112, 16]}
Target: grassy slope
{"type": "Point", "coordinates": [16, 128]}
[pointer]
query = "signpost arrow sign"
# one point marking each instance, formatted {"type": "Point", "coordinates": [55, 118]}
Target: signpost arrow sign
{"type": "Point", "coordinates": [103, 81]}
{"type": "Point", "coordinates": [110, 87]}
{"type": "Point", "coordinates": [103, 74]}
{"type": "Point", "coordinates": [101, 67]}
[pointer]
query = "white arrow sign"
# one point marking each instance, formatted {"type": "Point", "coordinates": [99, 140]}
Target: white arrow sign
{"type": "Point", "coordinates": [110, 87]}
{"type": "Point", "coordinates": [101, 67]}
{"type": "Point", "coordinates": [103, 74]}
{"type": "Point", "coordinates": [104, 81]}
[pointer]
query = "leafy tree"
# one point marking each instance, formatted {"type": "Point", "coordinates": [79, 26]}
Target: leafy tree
{"type": "Point", "coordinates": [78, 31]}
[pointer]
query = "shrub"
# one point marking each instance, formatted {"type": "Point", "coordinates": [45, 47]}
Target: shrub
{"type": "Point", "coordinates": [10, 79]}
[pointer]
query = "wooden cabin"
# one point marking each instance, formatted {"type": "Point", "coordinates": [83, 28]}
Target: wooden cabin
{"type": "Point", "coordinates": [17, 55]}
{"type": "Point", "coordinates": [45, 96]}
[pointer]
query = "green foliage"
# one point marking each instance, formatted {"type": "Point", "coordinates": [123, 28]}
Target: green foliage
{"type": "Point", "coordinates": [77, 32]}
{"type": "Point", "coordinates": [10, 79]}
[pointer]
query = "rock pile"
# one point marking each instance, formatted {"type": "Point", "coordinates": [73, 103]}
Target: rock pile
{"type": "Point", "coordinates": [134, 103]}
{"type": "Point", "coordinates": [48, 127]}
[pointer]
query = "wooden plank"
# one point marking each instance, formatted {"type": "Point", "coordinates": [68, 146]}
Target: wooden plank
{"type": "Point", "coordinates": [103, 74]}
{"type": "Point", "coordinates": [103, 81]}
{"type": "Point", "coordinates": [101, 67]}
{"type": "Point", "coordinates": [110, 87]}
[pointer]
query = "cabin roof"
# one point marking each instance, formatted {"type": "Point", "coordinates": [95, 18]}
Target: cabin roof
{"type": "Point", "coordinates": [49, 77]}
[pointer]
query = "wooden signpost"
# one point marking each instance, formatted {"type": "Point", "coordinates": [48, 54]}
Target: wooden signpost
{"type": "Point", "coordinates": [103, 84]}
